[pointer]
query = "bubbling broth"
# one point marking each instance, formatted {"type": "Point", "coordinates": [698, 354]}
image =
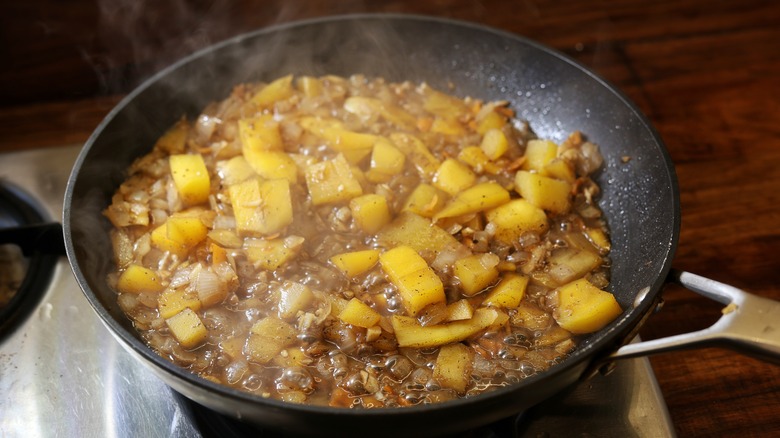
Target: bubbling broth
{"type": "Point", "coordinates": [357, 243]}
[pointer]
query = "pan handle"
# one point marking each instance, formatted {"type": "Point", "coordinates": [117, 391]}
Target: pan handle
{"type": "Point", "coordinates": [750, 324]}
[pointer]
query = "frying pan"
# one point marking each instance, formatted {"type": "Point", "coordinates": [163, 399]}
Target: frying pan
{"type": "Point", "coordinates": [553, 93]}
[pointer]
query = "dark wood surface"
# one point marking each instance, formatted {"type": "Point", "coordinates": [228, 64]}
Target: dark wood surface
{"type": "Point", "coordinates": [707, 73]}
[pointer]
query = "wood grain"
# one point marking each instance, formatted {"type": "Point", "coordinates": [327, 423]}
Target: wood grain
{"type": "Point", "coordinates": [707, 73]}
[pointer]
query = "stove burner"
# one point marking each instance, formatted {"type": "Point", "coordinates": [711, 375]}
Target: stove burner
{"type": "Point", "coordinates": [212, 424]}
{"type": "Point", "coordinates": [19, 212]}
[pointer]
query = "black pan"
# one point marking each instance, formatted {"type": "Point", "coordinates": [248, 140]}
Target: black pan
{"type": "Point", "coordinates": [554, 93]}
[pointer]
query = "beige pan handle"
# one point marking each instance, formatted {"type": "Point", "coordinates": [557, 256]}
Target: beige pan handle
{"type": "Point", "coordinates": [750, 324]}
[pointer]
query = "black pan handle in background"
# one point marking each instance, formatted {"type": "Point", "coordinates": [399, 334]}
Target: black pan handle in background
{"type": "Point", "coordinates": [43, 238]}
{"type": "Point", "coordinates": [750, 324]}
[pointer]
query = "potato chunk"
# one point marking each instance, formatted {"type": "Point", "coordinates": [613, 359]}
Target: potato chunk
{"type": "Point", "coordinates": [267, 338]}
{"type": "Point", "coordinates": [190, 177]}
{"type": "Point", "coordinates": [370, 212]}
{"type": "Point", "coordinates": [452, 177]}
{"type": "Point", "coordinates": [261, 208]}
{"type": "Point", "coordinates": [332, 181]}
{"type": "Point", "coordinates": [584, 308]}
{"type": "Point", "coordinates": [546, 193]}
{"type": "Point", "coordinates": [481, 197]}
{"type": "Point", "coordinates": [453, 366]}
{"type": "Point", "coordinates": [260, 133]}
{"type": "Point", "coordinates": [187, 328]}
{"type": "Point", "coordinates": [494, 144]}
{"type": "Point", "coordinates": [509, 292]}
{"type": "Point", "coordinates": [425, 200]}
{"type": "Point", "coordinates": [418, 285]}
{"type": "Point", "coordinates": [538, 154]}
{"type": "Point", "coordinates": [515, 218]}
{"type": "Point", "coordinates": [418, 153]}
{"type": "Point", "coordinates": [271, 254]}
{"type": "Point", "coordinates": [359, 314]}
{"type": "Point", "coordinates": [172, 301]}
{"type": "Point", "coordinates": [356, 262]}
{"type": "Point", "coordinates": [410, 333]}
{"type": "Point", "coordinates": [279, 89]}
{"type": "Point", "coordinates": [136, 279]}
{"type": "Point", "coordinates": [386, 162]}
{"type": "Point", "coordinates": [476, 272]}
{"type": "Point", "coordinates": [417, 232]}
{"type": "Point", "coordinates": [294, 297]}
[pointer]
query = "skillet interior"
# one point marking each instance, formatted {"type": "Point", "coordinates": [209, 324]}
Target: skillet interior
{"type": "Point", "coordinates": [553, 93]}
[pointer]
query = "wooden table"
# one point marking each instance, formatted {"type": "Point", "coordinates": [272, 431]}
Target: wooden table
{"type": "Point", "coordinates": [707, 73]}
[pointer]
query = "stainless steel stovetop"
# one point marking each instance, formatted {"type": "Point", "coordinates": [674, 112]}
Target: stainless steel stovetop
{"type": "Point", "coordinates": [62, 374]}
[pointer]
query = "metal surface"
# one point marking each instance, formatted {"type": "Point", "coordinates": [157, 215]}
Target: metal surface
{"type": "Point", "coordinates": [63, 374]}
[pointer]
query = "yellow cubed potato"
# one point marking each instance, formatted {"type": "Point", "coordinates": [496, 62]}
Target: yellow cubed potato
{"type": "Point", "coordinates": [492, 120]}
{"type": "Point", "coordinates": [370, 212]}
{"type": "Point", "coordinates": [332, 181]}
{"type": "Point", "coordinates": [355, 146]}
{"type": "Point", "coordinates": [386, 162]}
{"type": "Point", "coordinates": [410, 333]}
{"type": "Point", "coordinates": [459, 310]}
{"type": "Point", "coordinates": [425, 200]}
{"type": "Point", "coordinates": [481, 197]}
{"type": "Point", "coordinates": [190, 177]}
{"type": "Point", "coordinates": [568, 264]}
{"type": "Point", "coordinates": [172, 301]}
{"type": "Point", "coordinates": [279, 89]}
{"type": "Point", "coordinates": [418, 285]}
{"type": "Point", "coordinates": [359, 314]}
{"type": "Point", "coordinates": [453, 177]}
{"type": "Point", "coordinates": [509, 292]}
{"type": "Point", "coordinates": [356, 262]}
{"type": "Point", "coordinates": [409, 229]}
{"type": "Point", "coordinates": [531, 316]}
{"type": "Point", "coordinates": [234, 170]}
{"type": "Point", "coordinates": [453, 365]}
{"type": "Point", "coordinates": [272, 164]}
{"type": "Point", "coordinates": [309, 86]}
{"type": "Point", "coordinates": [226, 238]}
{"type": "Point", "coordinates": [187, 328]}
{"type": "Point", "coordinates": [475, 157]}
{"type": "Point", "coordinates": [494, 144]}
{"type": "Point", "coordinates": [174, 139]}
{"type": "Point", "coordinates": [584, 308]}
{"type": "Point", "coordinates": [294, 297]}
{"type": "Point", "coordinates": [549, 194]}
{"type": "Point", "coordinates": [418, 153]}
{"type": "Point", "coordinates": [160, 240]}
{"type": "Point", "coordinates": [261, 208]}
{"type": "Point", "coordinates": [233, 346]}
{"type": "Point", "coordinates": [476, 272]}
{"type": "Point", "coordinates": [272, 254]}
{"type": "Point", "coordinates": [260, 133]}
{"type": "Point", "coordinates": [267, 338]}
{"type": "Point", "coordinates": [187, 231]}
{"type": "Point", "coordinates": [136, 279]}
{"type": "Point", "coordinates": [443, 104]}
{"type": "Point", "coordinates": [447, 126]}
{"type": "Point", "coordinates": [539, 153]}
{"type": "Point", "coordinates": [515, 218]}
{"type": "Point", "coordinates": [368, 108]}
{"type": "Point", "coordinates": [559, 169]}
